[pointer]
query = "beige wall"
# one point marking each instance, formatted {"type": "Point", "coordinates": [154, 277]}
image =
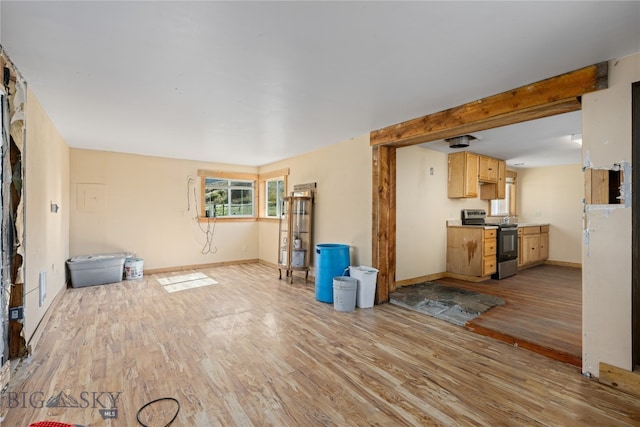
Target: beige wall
{"type": "Point", "coordinates": [140, 205]}
{"type": "Point", "coordinates": [342, 209]}
{"type": "Point", "coordinates": [423, 209]}
{"type": "Point", "coordinates": [143, 207]}
{"type": "Point", "coordinates": [606, 273]}
{"type": "Point", "coordinates": [554, 195]}
{"type": "Point", "coordinates": [47, 233]}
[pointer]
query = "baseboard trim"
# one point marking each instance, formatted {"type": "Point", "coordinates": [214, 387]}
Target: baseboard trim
{"type": "Point", "coordinates": [198, 266]}
{"type": "Point", "coordinates": [474, 279]}
{"type": "Point", "coordinates": [564, 263]}
{"type": "Point", "coordinates": [267, 263]}
{"type": "Point", "coordinates": [415, 280]}
{"type": "Point", "coordinates": [436, 276]}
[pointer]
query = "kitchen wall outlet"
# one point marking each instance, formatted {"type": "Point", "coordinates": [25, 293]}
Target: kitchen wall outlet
{"type": "Point", "coordinates": [431, 171]}
{"type": "Point", "coordinates": [537, 213]}
{"type": "Point", "coordinates": [42, 280]}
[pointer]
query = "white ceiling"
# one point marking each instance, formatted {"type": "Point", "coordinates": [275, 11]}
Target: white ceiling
{"type": "Point", "coordinates": [255, 82]}
{"type": "Point", "coordinates": [551, 141]}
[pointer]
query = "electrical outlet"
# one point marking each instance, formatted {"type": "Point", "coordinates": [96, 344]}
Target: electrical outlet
{"type": "Point", "coordinates": [16, 313]}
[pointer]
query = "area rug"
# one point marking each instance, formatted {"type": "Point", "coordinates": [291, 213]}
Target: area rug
{"type": "Point", "coordinates": [454, 305]}
{"type": "Point", "coordinates": [187, 281]}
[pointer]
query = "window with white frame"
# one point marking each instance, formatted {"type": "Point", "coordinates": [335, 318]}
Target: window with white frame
{"type": "Point", "coordinates": [228, 197]}
{"type": "Point", "coordinates": [506, 206]}
{"type": "Point", "coordinates": [274, 191]}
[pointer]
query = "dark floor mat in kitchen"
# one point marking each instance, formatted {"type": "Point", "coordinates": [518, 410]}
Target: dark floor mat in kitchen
{"type": "Point", "coordinates": [448, 303]}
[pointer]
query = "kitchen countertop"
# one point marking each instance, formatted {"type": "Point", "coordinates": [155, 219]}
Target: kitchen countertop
{"type": "Point", "coordinates": [458, 223]}
{"type": "Point", "coordinates": [486, 227]}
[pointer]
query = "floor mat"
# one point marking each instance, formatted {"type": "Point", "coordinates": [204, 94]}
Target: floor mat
{"type": "Point", "coordinates": [454, 305]}
{"type": "Point", "coordinates": [187, 281]}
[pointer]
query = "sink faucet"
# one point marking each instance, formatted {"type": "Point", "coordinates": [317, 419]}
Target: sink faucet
{"type": "Point", "coordinates": [506, 219]}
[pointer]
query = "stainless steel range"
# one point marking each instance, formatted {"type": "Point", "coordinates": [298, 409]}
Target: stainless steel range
{"type": "Point", "coordinates": [474, 217]}
{"type": "Point", "coordinates": [507, 238]}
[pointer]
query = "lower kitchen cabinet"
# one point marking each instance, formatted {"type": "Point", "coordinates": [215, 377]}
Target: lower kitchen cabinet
{"type": "Point", "coordinates": [471, 252]}
{"type": "Point", "coordinates": [544, 244]}
{"type": "Point", "coordinates": [533, 245]}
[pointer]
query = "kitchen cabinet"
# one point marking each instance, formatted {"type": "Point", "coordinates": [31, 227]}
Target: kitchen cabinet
{"type": "Point", "coordinates": [463, 175]}
{"type": "Point", "coordinates": [471, 252]}
{"type": "Point", "coordinates": [520, 257]}
{"type": "Point", "coordinates": [530, 248]}
{"type": "Point", "coordinates": [487, 169]}
{"type": "Point", "coordinates": [544, 243]}
{"type": "Point", "coordinates": [466, 172]}
{"type": "Point", "coordinates": [294, 243]}
{"type": "Point", "coordinates": [496, 190]}
{"type": "Point", "coordinates": [533, 245]}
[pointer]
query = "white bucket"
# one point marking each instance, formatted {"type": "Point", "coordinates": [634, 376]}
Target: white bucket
{"type": "Point", "coordinates": [367, 277]}
{"type": "Point", "coordinates": [344, 293]}
{"type": "Point", "coordinates": [133, 268]}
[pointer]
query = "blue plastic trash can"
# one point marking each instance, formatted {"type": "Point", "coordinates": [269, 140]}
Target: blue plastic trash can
{"type": "Point", "coordinates": [331, 260]}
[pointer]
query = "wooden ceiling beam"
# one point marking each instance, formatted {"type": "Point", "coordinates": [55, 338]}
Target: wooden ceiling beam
{"type": "Point", "coordinates": [556, 95]}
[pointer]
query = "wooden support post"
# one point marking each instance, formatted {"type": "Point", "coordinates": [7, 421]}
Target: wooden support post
{"type": "Point", "coordinates": [384, 219]}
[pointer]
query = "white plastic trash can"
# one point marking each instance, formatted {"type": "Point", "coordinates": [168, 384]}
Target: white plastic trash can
{"type": "Point", "coordinates": [367, 277]}
{"type": "Point", "coordinates": [344, 293]}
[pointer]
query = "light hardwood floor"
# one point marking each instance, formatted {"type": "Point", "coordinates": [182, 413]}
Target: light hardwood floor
{"type": "Point", "coordinates": [255, 350]}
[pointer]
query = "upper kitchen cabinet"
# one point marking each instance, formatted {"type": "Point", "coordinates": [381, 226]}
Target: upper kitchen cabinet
{"type": "Point", "coordinates": [463, 175]}
{"type": "Point", "coordinates": [488, 169]}
{"type": "Point", "coordinates": [497, 190]}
